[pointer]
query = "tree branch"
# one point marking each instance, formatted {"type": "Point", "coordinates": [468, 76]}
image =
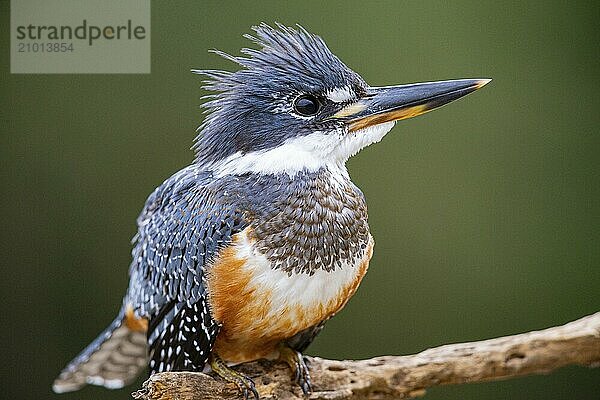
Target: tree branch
{"type": "Point", "coordinates": [392, 377]}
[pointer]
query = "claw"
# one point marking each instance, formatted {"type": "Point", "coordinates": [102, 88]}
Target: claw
{"type": "Point", "coordinates": [244, 384]}
{"type": "Point", "coordinates": [299, 368]}
{"type": "Point", "coordinates": [307, 361]}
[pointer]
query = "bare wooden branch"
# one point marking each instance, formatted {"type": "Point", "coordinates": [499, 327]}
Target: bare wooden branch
{"type": "Point", "coordinates": [392, 377]}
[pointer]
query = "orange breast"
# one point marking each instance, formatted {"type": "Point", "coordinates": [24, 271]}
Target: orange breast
{"type": "Point", "coordinates": [259, 307]}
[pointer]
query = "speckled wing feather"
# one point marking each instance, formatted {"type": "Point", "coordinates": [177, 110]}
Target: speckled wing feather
{"type": "Point", "coordinates": [184, 223]}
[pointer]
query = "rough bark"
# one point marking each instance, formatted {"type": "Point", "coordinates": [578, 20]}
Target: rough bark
{"type": "Point", "coordinates": [392, 377]}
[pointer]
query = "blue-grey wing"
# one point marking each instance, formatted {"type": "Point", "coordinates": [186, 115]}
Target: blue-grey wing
{"type": "Point", "coordinates": [184, 223]}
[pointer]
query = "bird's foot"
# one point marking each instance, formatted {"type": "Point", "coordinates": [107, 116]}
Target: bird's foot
{"type": "Point", "coordinates": [298, 365]}
{"type": "Point", "coordinates": [244, 383]}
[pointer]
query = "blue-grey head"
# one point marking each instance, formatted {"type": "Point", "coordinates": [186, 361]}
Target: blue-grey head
{"type": "Point", "coordinates": [295, 106]}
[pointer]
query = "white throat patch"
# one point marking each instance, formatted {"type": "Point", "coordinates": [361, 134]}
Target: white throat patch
{"type": "Point", "coordinates": [310, 153]}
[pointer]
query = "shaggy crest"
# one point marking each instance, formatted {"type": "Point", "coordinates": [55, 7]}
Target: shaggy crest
{"type": "Point", "coordinates": [289, 62]}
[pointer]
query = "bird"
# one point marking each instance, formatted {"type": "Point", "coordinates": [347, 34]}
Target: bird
{"type": "Point", "coordinates": [246, 253]}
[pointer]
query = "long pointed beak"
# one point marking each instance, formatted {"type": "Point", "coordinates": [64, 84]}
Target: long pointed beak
{"type": "Point", "coordinates": [393, 103]}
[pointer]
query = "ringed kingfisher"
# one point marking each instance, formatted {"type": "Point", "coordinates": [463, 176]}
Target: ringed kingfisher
{"type": "Point", "coordinates": [247, 252]}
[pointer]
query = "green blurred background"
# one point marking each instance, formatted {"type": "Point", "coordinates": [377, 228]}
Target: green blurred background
{"type": "Point", "coordinates": [486, 213]}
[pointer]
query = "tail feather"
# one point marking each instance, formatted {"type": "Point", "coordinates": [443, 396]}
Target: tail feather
{"type": "Point", "coordinates": [114, 359]}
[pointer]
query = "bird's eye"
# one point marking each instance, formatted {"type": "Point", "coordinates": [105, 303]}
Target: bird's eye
{"type": "Point", "coordinates": [306, 105]}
